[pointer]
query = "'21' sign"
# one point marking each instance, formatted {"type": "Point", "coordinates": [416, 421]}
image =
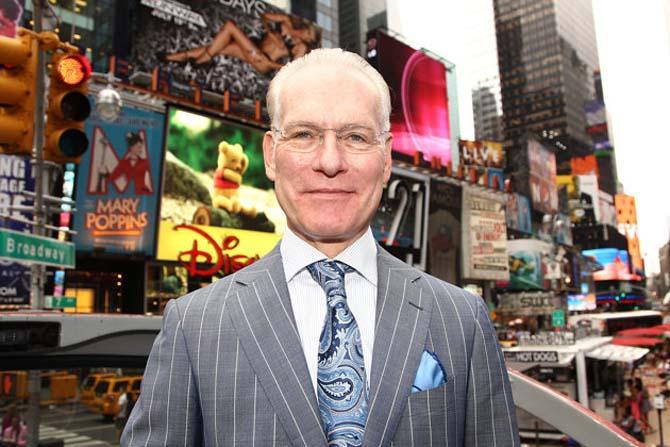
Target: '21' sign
{"type": "Point", "coordinates": [400, 224]}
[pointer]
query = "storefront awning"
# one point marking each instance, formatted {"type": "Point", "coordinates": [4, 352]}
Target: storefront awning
{"type": "Point", "coordinates": [617, 353]}
{"type": "Point", "coordinates": [655, 331]}
{"type": "Point", "coordinates": [636, 341]}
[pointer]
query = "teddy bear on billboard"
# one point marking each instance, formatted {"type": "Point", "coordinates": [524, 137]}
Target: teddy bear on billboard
{"type": "Point", "coordinates": [232, 164]}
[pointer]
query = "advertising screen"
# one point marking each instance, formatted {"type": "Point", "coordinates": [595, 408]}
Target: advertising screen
{"type": "Point", "coordinates": [543, 189]}
{"type": "Point", "coordinates": [118, 183]}
{"type": "Point", "coordinates": [400, 221]}
{"type": "Point", "coordinates": [517, 213]}
{"type": "Point", "coordinates": [487, 154]}
{"type": "Point", "coordinates": [587, 187]}
{"type": "Point", "coordinates": [581, 302]}
{"type": "Point", "coordinates": [607, 209]}
{"type": "Point", "coordinates": [484, 235]}
{"type": "Point", "coordinates": [419, 101]}
{"type": "Point", "coordinates": [219, 212]}
{"type": "Point", "coordinates": [626, 210]}
{"type": "Point", "coordinates": [218, 45]}
{"type": "Point", "coordinates": [615, 264]}
{"type": "Point", "coordinates": [526, 263]}
{"type": "Point", "coordinates": [584, 165]}
{"type": "Point", "coordinates": [16, 177]}
{"type": "Point", "coordinates": [596, 124]}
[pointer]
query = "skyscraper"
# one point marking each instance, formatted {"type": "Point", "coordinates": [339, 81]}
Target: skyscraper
{"type": "Point", "coordinates": [323, 12]}
{"type": "Point", "coordinates": [356, 18]}
{"type": "Point", "coordinates": [546, 54]}
{"type": "Point", "coordinates": [486, 111]}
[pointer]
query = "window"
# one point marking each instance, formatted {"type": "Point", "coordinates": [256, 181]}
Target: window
{"type": "Point", "coordinates": [120, 386]}
{"type": "Point", "coordinates": [324, 20]}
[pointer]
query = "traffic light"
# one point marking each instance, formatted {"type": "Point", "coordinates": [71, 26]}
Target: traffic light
{"type": "Point", "coordinates": [68, 108]}
{"type": "Point", "coordinates": [18, 70]}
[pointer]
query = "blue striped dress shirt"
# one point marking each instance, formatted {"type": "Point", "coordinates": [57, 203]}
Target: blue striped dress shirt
{"type": "Point", "coordinates": [309, 300]}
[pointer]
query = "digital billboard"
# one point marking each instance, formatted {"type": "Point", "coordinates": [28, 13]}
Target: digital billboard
{"type": "Point", "coordinates": [219, 45]}
{"type": "Point", "coordinates": [542, 179]}
{"type": "Point", "coordinates": [526, 263]}
{"type": "Point", "coordinates": [614, 262]}
{"type": "Point", "coordinates": [517, 213]}
{"type": "Point", "coordinates": [596, 124]}
{"type": "Point", "coordinates": [419, 100]}
{"type": "Point", "coordinates": [219, 212]}
{"type": "Point", "coordinates": [118, 183]}
{"type": "Point", "coordinates": [579, 302]}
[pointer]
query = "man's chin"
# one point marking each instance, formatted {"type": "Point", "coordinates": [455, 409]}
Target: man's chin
{"type": "Point", "coordinates": [330, 235]}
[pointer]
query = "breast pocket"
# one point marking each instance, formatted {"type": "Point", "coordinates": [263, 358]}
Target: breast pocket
{"type": "Point", "coordinates": [427, 417]}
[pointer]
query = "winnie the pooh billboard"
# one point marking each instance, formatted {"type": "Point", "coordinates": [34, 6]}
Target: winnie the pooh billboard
{"type": "Point", "coordinates": [219, 212]}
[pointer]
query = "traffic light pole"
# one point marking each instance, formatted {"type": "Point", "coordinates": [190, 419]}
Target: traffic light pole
{"type": "Point", "coordinates": [37, 270]}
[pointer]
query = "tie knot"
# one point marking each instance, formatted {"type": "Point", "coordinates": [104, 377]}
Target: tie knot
{"type": "Point", "coordinates": [330, 276]}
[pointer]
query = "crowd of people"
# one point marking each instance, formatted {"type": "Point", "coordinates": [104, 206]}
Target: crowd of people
{"type": "Point", "coordinates": [644, 381]}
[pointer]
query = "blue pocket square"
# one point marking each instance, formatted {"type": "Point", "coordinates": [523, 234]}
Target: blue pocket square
{"type": "Point", "coordinates": [430, 373]}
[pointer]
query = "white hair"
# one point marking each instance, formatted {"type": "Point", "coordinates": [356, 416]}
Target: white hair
{"type": "Point", "coordinates": [339, 58]}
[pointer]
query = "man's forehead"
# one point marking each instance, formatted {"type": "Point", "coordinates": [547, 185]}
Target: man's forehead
{"type": "Point", "coordinates": [306, 94]}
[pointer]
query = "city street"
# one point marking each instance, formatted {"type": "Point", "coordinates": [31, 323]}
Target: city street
{"type": "Point", "coordinates": [76, 426]}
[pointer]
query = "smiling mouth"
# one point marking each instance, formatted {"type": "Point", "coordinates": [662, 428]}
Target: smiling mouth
{"type": "Point", "coordinates": [329, 191]}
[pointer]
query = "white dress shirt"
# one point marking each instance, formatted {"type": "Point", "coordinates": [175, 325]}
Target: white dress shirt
{"type": "Point", "coordinates": [309, 300]}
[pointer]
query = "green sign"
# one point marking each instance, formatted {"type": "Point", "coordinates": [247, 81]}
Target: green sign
{"type": "Point", "coordinates": [60, 302]}
{"type": "Point", "coordinates": [558, 318]}
{"type": "Point", "coordinates": [29, 249]}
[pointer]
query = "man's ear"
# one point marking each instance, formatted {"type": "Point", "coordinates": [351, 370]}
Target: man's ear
{"type": "Point", "coordinates": [388, 161]}
{"type": "Point", "coordinates": [269, 155]}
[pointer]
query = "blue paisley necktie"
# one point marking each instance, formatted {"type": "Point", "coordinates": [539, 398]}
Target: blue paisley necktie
{"type": "Point", "coordinates": [342, 389]}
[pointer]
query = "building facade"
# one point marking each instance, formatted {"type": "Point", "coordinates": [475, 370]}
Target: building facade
{"type": "Point", "coordinates": [356, 18]}
{"type": "Point", "coordinates": [546, 54]}
{"type": "Point", "coordinates": [664, 260]}
{"type": "Point", "coordinates": [486, 110]}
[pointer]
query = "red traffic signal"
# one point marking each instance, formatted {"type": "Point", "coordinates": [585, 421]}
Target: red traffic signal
{"type": "Point", "coordinates": [68, 109]}
{"type": "Point", "coordinates": [72, 70]}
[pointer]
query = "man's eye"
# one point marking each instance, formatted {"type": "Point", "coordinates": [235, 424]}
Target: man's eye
{"type": "Point", "coordinates": [356, 137]}
{"type": "Point", "coordinates": [301, 135]}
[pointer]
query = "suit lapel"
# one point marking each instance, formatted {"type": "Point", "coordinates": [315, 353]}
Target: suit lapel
{"type": "Point", "coordinates": [263, 317]}
{"type": "Point", "coordinates": [403, 316]}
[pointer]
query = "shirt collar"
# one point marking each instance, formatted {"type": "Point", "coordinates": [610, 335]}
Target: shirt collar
{"type": "Point", "coordinates": [361, 255]}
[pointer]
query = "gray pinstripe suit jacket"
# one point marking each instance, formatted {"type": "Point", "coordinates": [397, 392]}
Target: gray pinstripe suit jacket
{"type": "Point", "coordinates": [228, 367]}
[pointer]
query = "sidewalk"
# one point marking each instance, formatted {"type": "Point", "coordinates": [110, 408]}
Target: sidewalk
{"type": "Point", "coordinates": [654, 439]}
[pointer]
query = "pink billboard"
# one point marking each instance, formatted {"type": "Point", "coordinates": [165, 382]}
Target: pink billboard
{"type": "Point", "coordinates": [420, 109]}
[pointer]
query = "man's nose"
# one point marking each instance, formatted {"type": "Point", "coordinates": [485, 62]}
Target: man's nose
{"type": "Point", "coordinates": [330, 158]}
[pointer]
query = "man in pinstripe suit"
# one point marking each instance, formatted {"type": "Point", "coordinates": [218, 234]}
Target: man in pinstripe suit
{"type": "Point", "coordinates": [242, 361]}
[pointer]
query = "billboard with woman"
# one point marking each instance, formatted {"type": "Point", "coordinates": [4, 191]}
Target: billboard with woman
{"type": "Point", "coordinates": [220, 46]}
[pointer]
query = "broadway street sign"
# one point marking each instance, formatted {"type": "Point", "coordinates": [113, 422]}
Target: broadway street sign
{"type": "Point", "coordinates": [29, 249]}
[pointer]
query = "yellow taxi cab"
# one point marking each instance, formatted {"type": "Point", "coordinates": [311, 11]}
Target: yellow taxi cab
{"type": "Point", "coordinates": [87, 390]}
{"type": "Point", "coordinates": [108, 391]}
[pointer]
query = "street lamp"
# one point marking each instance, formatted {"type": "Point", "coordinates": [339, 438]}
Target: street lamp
{"type": "Point", "coordinates": [108, 104]}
